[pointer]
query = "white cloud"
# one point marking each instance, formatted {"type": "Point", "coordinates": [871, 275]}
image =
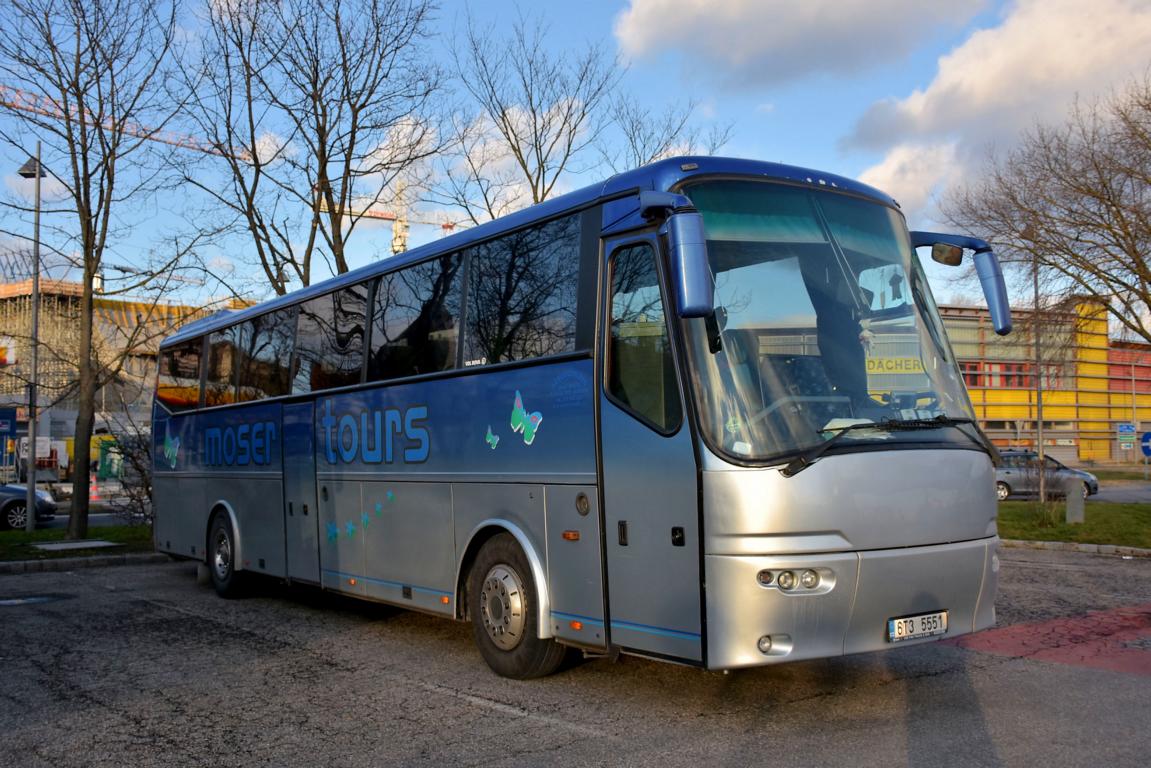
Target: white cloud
{"type": "Point", "coordinates": [755, 42]}
{"type": "Point", "coordinates": [1001, 81]}
{"type": "Point", "coordinates": [903, 170]}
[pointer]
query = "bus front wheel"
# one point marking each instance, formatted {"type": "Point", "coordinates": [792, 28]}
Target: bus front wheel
{"type": "Point", "coordinates": [227, 581]}
{"type": "Point", "coordinates": [502, 601]}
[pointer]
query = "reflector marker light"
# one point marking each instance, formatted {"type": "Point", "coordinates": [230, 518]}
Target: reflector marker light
{"type": "Point", "coordinates": [571, 535]}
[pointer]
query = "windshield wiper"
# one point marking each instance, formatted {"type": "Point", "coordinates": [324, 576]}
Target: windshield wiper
{"type": "Point", "coordinates": [807, 458]}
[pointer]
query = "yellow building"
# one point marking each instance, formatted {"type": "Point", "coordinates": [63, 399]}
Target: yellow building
{"type": "Point", "coordinates": [1090, 384]}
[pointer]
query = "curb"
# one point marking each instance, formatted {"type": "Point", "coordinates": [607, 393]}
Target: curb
{"type": "Point", "coordinates": [1068, 546]}
{"type": "Point", "coordinates": [72, 563]}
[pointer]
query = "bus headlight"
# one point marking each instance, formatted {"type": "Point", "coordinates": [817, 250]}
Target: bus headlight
{"type": "Point", "coordinates": [809, 579]}
{"type": "Point", "coordinates": [786, 580]}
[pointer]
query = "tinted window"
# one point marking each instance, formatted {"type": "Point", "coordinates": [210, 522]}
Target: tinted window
{"type": "Point", "coordinates": [178, 382]}
{"type": "Point", "coordinates": [265, 354]}
{"type": "Point", "coordinates": [330, 340]}
{"type": "Point", "coordinates": [640, 370]}
{"type": "Point", "coordinates": [220, 381]}
{"type": "Point", "coordinates": [522, 294]}
{"type": "Point", "coordinates": [415, 322]}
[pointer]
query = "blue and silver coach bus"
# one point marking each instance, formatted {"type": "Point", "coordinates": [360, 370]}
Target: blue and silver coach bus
{"type": "Point", "coordinates": [705, 412]}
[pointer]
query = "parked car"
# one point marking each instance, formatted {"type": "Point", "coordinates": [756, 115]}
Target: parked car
{"type": "Point", "coordinates": [1018, 475]}
{"type": "Point", "coordinates": [13, 501]}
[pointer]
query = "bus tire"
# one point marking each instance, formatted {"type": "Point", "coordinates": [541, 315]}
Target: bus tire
{"type": "Point", "coordinates": [227, 581]}
{"type": "Point", "coordinates": [502, 601]}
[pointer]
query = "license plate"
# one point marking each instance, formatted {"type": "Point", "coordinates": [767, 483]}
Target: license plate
{"type": "Point", "coordinates": [911, 627]}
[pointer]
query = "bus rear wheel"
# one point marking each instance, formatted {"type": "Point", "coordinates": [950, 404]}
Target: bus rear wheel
{"type": "Point", "coordinates": [227, 581]}
{"type": "Point", "coordinates": [502, 601]}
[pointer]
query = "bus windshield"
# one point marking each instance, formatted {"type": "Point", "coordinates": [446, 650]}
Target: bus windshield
{"type": "Point", "coordinates": [823, 320]}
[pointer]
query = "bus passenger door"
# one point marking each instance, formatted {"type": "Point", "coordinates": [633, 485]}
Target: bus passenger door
{"type": "Point", "coordinates": [650, 494]}
{"type": "Point", "coordinates": [301, 528]}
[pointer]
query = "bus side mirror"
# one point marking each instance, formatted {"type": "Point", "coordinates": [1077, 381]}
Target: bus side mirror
{"type": "Point", "coordinates": [691, 272]}
{"type": "Point", "coordinates": [948, 249]}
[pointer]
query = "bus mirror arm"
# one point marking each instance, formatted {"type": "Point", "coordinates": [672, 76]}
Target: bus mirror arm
{"type": "Point", "coordinates": [693, 281]}
{"type": "Point", "coordinates": [986, 267]}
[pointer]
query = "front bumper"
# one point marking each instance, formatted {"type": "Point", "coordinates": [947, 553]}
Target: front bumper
{"type": "Point", "coordinates": [848, 612]}
{"type": "Point", "coordinates": [45, 511]}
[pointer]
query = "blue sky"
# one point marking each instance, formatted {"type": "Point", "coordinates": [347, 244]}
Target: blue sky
{"type": "Point", "coordinates": [906, 95]}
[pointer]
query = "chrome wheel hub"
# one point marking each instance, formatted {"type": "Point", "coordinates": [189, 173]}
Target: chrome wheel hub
{"type": "Point", "coordinates": [502, 607]}
{"type": "Point", "coordinates": [17, 517]}
{"type": "Point", "coordinates": [222, 558]}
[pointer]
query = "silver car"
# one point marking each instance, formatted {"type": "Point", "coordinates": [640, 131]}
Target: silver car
{"type": "Point", "coordinates": [1018, 475]}
{"type": "Point", "coordinates": [13, 503]}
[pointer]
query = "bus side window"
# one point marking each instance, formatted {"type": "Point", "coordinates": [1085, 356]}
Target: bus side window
{"type": "Point", "coordinates": [330, 340]}
{"type": "Point", "coordinates": [178, 383]}
{"type": "Point", "coordinates": [640, 370]}
{"type": "Point", "coordinates": [264, 345]}
{"type": "Point", "coordinates": [220, 382]}
{"type": "Point", "coordinates": [523, 294]}
{"type": "Point", "coordinates": [415, 320]}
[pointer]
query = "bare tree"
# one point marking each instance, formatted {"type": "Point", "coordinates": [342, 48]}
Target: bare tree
{"type": "Point", "coordinates": [1074, 202]}
{"type": "Point", "coordinates": [536, 109]}
{"type": "Point", "coordinates": [316, 111]}
{"type": "Point", "coordinates": [95, 69]}
{"type": "Point", "coordinates": [643, 138]}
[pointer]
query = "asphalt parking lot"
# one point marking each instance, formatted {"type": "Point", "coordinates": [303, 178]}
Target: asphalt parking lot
{"type": "Point", "coordinates": [141, 666]}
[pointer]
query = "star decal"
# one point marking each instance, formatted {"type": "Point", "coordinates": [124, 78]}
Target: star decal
{"type": "Point", "coordinates": [350, 528]}
{"type": "Point", "coordinates": [333, 531]}
{"type": "Point", "coordinates": [379, 509]}
{"type": "Point", "coordinates": [365, 519]}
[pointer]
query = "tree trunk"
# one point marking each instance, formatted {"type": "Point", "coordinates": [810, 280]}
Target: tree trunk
{"type": "Point", "coordinates": [81, 464]}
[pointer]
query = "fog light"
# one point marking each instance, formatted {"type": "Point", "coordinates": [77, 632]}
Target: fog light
{"type": "Point", "coordinates": [764, 644]}
{"type": "Point", "coordinates": [765, 577]}
{"type": "Point", "coordinates": [786, 580]}
{"type": "Point", "coordinates": [809, 579]}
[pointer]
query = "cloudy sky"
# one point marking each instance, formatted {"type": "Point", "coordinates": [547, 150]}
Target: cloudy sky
{"type": "Point", "coordinates": [906, 95]}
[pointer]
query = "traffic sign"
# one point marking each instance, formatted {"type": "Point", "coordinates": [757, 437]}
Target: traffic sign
{"type": "Point", "coordinates": [7, 422]}
{"type": "Point", "coordinates": [1147, 443]}
{"type": "Point", "coordinates": [1125, 429]}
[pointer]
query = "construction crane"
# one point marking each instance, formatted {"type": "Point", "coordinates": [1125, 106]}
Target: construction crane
{"type": "Point", "coordinates": [38, 104]}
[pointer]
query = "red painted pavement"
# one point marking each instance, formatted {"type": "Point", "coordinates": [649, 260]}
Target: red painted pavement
{"type": "Point", "coordinates": [1118, 640]}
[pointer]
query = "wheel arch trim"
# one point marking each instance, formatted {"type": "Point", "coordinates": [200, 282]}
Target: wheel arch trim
{"type": "Point", "coordinates": [539, 574]}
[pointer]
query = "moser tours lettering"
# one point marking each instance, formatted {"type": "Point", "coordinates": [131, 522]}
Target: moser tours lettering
{"type": "Point", "coordinates": [894, 365]}
{"type": "Point", "coordinates": [239, 445]}
{"type": "Point", "coordinates": [370, 435]}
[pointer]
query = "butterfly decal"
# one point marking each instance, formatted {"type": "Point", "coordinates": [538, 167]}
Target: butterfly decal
{"type": "Point", "coordinates": [490, 439]}
{"type": "Point", "coordinates": [171, 448]}
{"type": "Point", "coordinates": [522, 421]}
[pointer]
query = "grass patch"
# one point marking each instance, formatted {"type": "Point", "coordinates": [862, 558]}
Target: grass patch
{"type": "Point", "coordinates": [1117, 474]}
{"type": "Point", "coordinates": [1124, 525]}
{"type": "Point", "coordinates": [17, 545]}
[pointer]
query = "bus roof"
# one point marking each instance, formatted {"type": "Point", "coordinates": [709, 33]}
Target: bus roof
{"type": "Point", "coordinates": [663, 175]}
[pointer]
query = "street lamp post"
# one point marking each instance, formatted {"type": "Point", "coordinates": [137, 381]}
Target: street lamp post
{"type": "Point", "coordinates": [1038, 382]}
{"type": "Point", "coordinates": [32, 169]}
